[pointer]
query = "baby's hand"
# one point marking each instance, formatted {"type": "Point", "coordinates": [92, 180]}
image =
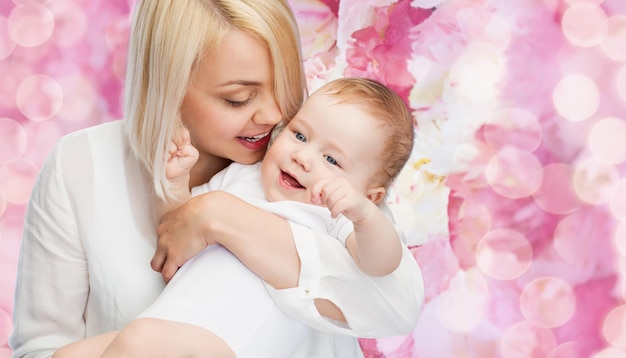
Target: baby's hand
{"type": "Point", "coordinates": [181, 155]}
{"type": "Point", "coordinates": [340, 197]}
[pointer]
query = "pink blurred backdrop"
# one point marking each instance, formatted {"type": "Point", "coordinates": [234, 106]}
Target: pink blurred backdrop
{"type": "Point", "coordinates": [514, 197]}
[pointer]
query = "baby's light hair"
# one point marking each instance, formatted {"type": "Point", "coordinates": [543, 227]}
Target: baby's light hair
{"type": "Point", "coordinates": [395, 120]}
{"type": "Point", "coordinates": [169, 38]}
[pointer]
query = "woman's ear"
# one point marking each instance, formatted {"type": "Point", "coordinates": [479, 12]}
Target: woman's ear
{"type": "Point", "coordinates": [376, 195]}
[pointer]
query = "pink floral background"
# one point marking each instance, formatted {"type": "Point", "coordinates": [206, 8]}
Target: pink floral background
{"type": "Point", "coordinates": [514, 200]}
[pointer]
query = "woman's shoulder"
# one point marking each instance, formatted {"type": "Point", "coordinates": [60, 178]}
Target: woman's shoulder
{"type": "Point", "coordinates": [108, 135]}
{"type": "Point", "coordinates": [104, 131]}
{"type": "Point", "coordinates": [91, 146]}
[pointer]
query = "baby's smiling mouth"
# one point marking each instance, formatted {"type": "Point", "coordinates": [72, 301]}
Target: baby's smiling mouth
{"type": "Point", "coordinates": [290, 181]}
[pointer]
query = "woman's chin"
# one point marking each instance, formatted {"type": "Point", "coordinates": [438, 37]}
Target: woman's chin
{"type": "Point", "coordinates": [249, 159]}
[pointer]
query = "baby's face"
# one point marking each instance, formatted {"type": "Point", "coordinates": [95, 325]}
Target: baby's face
{"type": "Point", "coordinates": [325, 139]}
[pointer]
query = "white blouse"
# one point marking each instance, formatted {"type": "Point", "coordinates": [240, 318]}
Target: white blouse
{"type": "Point", "coordinates": [89, 236]}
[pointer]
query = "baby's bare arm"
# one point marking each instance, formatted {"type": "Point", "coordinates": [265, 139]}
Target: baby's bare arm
{"type": "Point", "coordinates": [374, 244]}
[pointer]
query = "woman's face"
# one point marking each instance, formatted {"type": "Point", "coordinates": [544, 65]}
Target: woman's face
{"type": "Point", "coordinates": [230, 107]}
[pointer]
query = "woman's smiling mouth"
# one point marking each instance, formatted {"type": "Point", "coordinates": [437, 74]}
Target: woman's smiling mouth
{"type": "Point", "coordinates": [256, 142]}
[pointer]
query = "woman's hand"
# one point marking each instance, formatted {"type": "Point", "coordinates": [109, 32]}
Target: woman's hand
{"type": "Point", "coordinates": [181, 236]}
{"type": "Point", "coordinates": [260, 239]}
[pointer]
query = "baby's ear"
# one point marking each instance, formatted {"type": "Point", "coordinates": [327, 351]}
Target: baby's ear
{"type": "Point", "coordinates": [376, 195]}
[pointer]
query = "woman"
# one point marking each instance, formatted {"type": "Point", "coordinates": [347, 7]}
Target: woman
{"type": "Point", "coordinates": [90, 233]}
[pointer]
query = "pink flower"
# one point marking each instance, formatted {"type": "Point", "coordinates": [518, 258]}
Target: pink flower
{"type": "Point", "coordinates": [381, 50]}
{"type": "Point", "coordinates": [317, 21]}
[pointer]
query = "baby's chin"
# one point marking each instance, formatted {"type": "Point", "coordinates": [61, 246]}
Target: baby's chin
{"type": "Point", "coordinates": [279, 197]}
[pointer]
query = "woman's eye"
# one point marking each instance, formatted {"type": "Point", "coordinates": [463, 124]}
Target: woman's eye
{"type": "Point", "coordinates": [300, 137]}
{"type": "Point", "coordinates": [237, 104]}
{"type": "Point", "coordinates": [331, 160]}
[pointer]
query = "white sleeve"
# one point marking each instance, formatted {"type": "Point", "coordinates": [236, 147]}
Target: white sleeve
{"type": "Point", "coordinates": [52, 280]}
{"type": "Point", "coordinates": [373, 306]}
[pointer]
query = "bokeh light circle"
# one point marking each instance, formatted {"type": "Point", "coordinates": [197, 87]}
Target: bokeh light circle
{"type": "Point", "coordinates": [473, 224]}
{"type": "Point", "coordinates": [498, 31]}
{"type": "Point", "coordinates": [39, 97]}
{"type": "Point", "coordinates": [571, 2]}
{"type": "Point", "coordinates": [606, 140]}
{"type": "Point", "coordinates": [504, 254]}
{"type": "Point", "coordinates": [12, 140]}
{"type": "Point", "coordinates": [461, 307]}
{"type": "Point", "coordinates": [576, 97]}
{"type": "Point", "coordinates": [610, 352]}
{"type": "Point", "coordinates": [79, 98]}
{"type": "Point", "coordinates": [614, 45]}
{"type": "Point", "coordinates": [595, 182]}
{"type": "Point", "coordinates": [566, 350]}
{"type": "Point", "coordinates": [46, 135]}
{"type": "Point", "coordinates": [116, 33]}
{"type": "Point", "coordinates": [30, 24]}
{"type": "Point", "coordinates": [571, 239]}
{"type": "Point", "coordinates": [7, 45]}
{"type": "Point", "coordinates": [71, 26]}
{"type": "Point", "coordinates": [614, 327]}
{"type": "Point", "coordinates": [479, 73]}
{"type": "Point", "coordinates": [617, 204]}
{"type": "Point", "coordinates": [556, 194]}
{"type": "Point", "coordinates": [476, 221]}
{"type": "Point", "coordinates": [621, 83]}
{"type": "Point", "coordinates": [514, 174]}
{"type": "Point", "coordinates": [514, 127]}
{"type": "Point", "coordinates": [13, 73]}
{"type": "Point", "coordinates": [17, 179]}
{"type": "Point", "coordinates": [585, 24]}
{"type": "Point", "coordinates": [525, 340]}
{"type": "Point", "coordinates": [619, 237]}
{"type": "Point", "coordinates": [548, 302]}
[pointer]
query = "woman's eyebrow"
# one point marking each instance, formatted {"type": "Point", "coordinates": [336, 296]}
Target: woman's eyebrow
{"type": "Point", "coordinates": [241, 83]}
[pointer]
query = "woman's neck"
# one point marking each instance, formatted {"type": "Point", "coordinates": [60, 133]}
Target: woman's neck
{"type": "Point", "coordinates": [205, 168]}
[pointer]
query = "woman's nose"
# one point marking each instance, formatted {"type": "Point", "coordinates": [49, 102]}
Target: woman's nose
{"type": "Point", "coordinates": [268, 113]}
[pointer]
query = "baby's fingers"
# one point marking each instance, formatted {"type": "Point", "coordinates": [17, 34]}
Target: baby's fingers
{"type": "Point", "coordinates": [181, 136]}
{"type": "Point", "coordinates": [316, 192]}
{"type": "Point", "coordinates": [172, 151]}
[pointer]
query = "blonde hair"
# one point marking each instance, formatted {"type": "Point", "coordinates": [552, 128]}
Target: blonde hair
{"type": "Point", "coordinates": [170, 37]}
{"type": "Point", "coordinates": [395, 120]}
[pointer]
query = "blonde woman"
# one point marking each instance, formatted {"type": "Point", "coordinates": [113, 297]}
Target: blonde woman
{"type": "Point", "coordinates": [229, 71]}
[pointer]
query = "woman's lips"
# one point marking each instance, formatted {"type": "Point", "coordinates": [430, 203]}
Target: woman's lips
{"type": "Point", "coordinates": [255, 143]}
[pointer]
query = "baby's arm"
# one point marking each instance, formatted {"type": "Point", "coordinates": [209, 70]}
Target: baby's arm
{"type": "Point", "coordinates": [374, 244]}
{"type": "Point", "coordinates": [181, 157]}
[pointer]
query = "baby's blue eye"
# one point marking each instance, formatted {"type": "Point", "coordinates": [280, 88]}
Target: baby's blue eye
{"type": "Point", "coordinates": [300, 137]}
{"type": "Point", "coordinates": [331, 160]}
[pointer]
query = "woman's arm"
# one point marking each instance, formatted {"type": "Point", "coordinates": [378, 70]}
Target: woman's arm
{"type": "Point", "coordinates": [306, 271]}
{"type": "Point", "coordinates": [52, 280]}
{"type": "Point", "coordinates": [260, 239]}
